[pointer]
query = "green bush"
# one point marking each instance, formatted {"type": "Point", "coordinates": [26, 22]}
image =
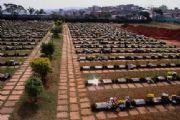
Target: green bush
{"type": "Point", "coordinates": [169, 73]}
{"type": "Point", "coordinates": [33, 88]}
{"type": "Point", "coordinates": [47, 49]}
{"type": "Point", "coordinates": [41, 66]}
{"type": "Point", "coordinates": [58, 22]}
{"type": "Point", "coordinates": [57, 29]}
{"type": "Point", "coordinates": [55, 35]}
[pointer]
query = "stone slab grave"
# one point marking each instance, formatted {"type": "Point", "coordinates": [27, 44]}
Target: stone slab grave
{"type": "Point", "coordinates": [14, 88]}
{"type": "Point", "coordinates": [84, 38]}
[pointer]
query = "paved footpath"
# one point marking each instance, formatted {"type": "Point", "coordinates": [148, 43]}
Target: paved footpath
{"type": "Point", "coordinates": [73, 102]}
{"type": "Point", "coordinates": [14, 88]}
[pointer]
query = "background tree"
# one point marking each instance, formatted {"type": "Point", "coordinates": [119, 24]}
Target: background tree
{"type": "Point", "coordinates": [90, 16]}
{"type": "Point", "coordinates": [40, 12]}
{"type": "Point", "coordinates": [145, 14]}
{"type": "Point", "coordinates": [55, 15]}
{"type": "Point", "coordinates": [10, 8]}
{"type": "Point", "coordinates": [81, 13]}
{"type": "Point", "coordinates": [176, 9]}
{"type": "Point", "coordinates": [163, 7]}
{"type": "Point", "coordinates": [1, 10]}
{"type": "Point", "coordinates": [36, 12]}
{"type": "Point", "coordinates": [14, 9]}
{"type": "Point", "coordinates": [158, 11]}
{"type": "Point", "coordinates": [106, 15]}
{"type": "Point", "coordinates": [31, 10]}
{"type": "Point", "coordinates": [20, 9]}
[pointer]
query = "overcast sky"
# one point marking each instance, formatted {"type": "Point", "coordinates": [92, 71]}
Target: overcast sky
{"type": "Point", "coordinates": [53, 4]}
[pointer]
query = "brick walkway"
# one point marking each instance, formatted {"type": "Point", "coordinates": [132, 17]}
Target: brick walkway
{"type": "Point", "coordinates": [14, 88]}
{"type": "Point", "coordinates": [73, 101]}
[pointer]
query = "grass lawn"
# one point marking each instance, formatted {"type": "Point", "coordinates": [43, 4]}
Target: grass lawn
{"type": "Point", "coordinates": [46, 107]}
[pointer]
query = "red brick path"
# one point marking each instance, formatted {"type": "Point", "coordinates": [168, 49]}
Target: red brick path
{"type": "Point", "coordinates": [73, 102]}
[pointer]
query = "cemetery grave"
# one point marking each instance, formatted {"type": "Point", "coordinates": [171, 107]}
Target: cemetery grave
{"type": "Point", "coordinates": [17, 40]}
{"type": "Point", "coordinates": [113, 60]}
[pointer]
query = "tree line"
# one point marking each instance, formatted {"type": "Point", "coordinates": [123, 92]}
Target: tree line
{"type": "Point", "coordinates": [13, 9]}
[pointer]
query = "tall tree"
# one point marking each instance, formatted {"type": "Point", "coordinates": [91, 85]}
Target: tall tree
{"type": "Point", "coordinates": [36, 12]}
{"type": "Point", "coordinates": [31, 10]}
{"type": "Point", "coordinates": [10, 8]}
{"type": "Point", "coordinates": [158, 11]}
{"type": "Point", "coordinates": [0, 9]}
{"type": "Point", "coordinates": [81, 13]}
{"type": "Point", "coordinates": [145, 14]}
{"type": "Point", "coordinates": [14, 9]}
{"type": "Point", "coordinates": [176, 8]}
{"type": "Point", "coordinates": [40, 12]}
{"type": "Point", "coordinates": [20, 9]}
{"type": "Point", "coordinates": [106, 15]}
{"type": "Point", "coordinates": [163, 7]}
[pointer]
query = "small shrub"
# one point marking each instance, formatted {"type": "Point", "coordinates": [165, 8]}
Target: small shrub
{"type": "Point", "coordinates": [33, 88]}
{"type": "Point", "coordinates": [56, 30]}
{"type": "Point", "coordinates": [41, 66]}
{"type": "Point", "coordinates": [55, 35]}
{"type": "Point", "coordinates": [47, 49]}
{"type": "Point", "coordinates": [58, 22]}
{"type": "Point", "coordinates": [169, 73]}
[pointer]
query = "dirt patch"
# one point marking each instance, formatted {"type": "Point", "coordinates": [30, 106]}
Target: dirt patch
{"type": "Point", "coordinates": [170, 35]}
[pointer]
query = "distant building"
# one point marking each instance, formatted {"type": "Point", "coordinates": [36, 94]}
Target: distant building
{"type": "Point", "coordinates": [169, 13]}
{"type": "Point", "coordinates": [129, 11]}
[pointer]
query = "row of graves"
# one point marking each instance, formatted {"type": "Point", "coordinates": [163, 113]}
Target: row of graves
{"type": "Point", "coordinates": [17, 40]}
{"type": "Point", "coordinates": [104, 50]}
